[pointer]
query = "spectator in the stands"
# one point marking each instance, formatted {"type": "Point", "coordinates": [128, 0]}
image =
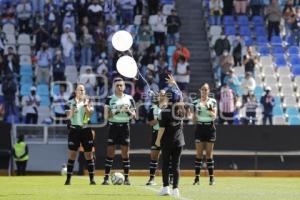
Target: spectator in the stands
{"type": "Point", "coordinates": [9, 15]}
{"type": "Point", "coordinates": [227, 104]}
{"type": "Point", "coordinates": [237, 46]}
{"type": "Point", "coordinates": [240, 6]}
{"type": "Point", "coordinates": [89, 80]}
{"type": "Point", "coordinates": [180, 50]}
{"type": "Point", "coordinates": [86, 44]}
{"type": "Point", "coordinates": [268, 103]}
{"type": "Point", "coordinates": [248, 84]}
{"type": "Point", "coordinates": [102, 68]}
{"type": "Point", "coordinates": [295, 29]}
{"type": "Point", "coordinates": [44, 59]}
{"type": "Point", "coordinates": [11, 62]}
{"type": "Point", "coordinates": [162, 53]}
{"type": "Point", "coordinates": [127, 10]}
{"type": "Point", "coordinates": [182, 73]}
{"type": "Point", "coordinates": [9, 89]}
{"type": "Point", "coordinates": [51, 14]}
{"type": "Point", "coordinates": [158, 24]}
{"type": "Point", "coordinates": [228, 6]}
{"type": "Point", "coordinates": [68, 41]}
{"type": "Point", "coordinates": [250, 60]}
{"type": "Point", "coordinates": [144, 35]}
{"type": "Point", "coordinates": [226, 63]}
{"type": "Point", "coordinates": [250, 103]}
{"type": "Point", "coordinates": [60, 101]}
{"type": "Point", "coordinates": [69, 18]}
{"type": "Point", "coordinates": [153, 6]}
{"type": "Point", "coordinates": [58, 67]}
{"type": "Point", "coordinates": [173, 25]}
{"type": "Point", "coordinates": [216, 11]}
{"type": "Point", "coordinates": [233, 82]}
{"type": "Point", "coordinates": [273, 15]}
{"type": "Point", "coordinates": [24, 12]}
{"type": "Point", "coordinates": [30, 104]}
{"type": "Point", "coordinates": [222, 44]}
{"type": "Point", "coordinates": [95, 12]}
{"type": "Point", "coordinates": [38, 6]}
{"type": "Point", "coordinates": [288, 14]}
{"type": "Point", "coordinates": [110, 10]}
{"type": "Point", "coordinates": [41, 35]}
{"type": "Point", "coordinates": [54, 40]}
{"type": "Point", "coordinates": [257, 7]}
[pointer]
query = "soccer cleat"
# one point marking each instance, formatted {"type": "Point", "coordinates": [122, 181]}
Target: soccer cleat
{"type": "Point", "coordinates": [175, 193]}
{"type": "Point", "coordinates": [212, 181]}
{"type": "Point", "coordinates": [196, 181]}
{"type": "Point", "coordinates": [92, 182]}
{"type": "Point", "coordinates": [105, 182]}
{"type": "Point", "coordinates": [68, 182]}
{"type": "Point", "coordinates": [165, 191]}
{"type": "Point", "coordinates": [127, 182]}
{"type": "Point", "coordinates": [151, 182]}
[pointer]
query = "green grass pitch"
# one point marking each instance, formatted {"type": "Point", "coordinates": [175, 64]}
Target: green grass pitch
{"type": "Point", "coordinates": [242, 188]}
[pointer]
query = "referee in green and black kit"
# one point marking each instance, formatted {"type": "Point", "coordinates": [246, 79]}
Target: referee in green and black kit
{"type": "Point", "coordinates": [79, 110]}
{"type": "Point", "coordinates": [205, 112]}
{"type": "Point", "coordinates": [120, 109]}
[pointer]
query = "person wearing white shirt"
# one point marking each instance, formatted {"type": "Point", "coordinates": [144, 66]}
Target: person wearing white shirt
{"type": "Point", "coordinates": [60, 100]}
{"type": "Point", "coordinates": [68, 41]}
{"type": "Point", "coordinates": [127, 8]}
{"type": "Point", "coordinates": [30, 104]}
{"type": "Point", "coordinates": [158, 23]}
{"type": "Point", "coordinates": [248, 83]}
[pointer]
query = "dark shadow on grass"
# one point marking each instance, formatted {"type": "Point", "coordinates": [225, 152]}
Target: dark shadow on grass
{"type": "Point", "coordinates": [118, 194]}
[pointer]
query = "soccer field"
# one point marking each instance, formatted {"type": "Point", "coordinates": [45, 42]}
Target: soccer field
{"type": "Point", "coordinates": [51, 187]}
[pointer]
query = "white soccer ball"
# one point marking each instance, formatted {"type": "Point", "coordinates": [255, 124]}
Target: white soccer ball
{"type": "Point", "coordinates": [63, 170]}
{"type": "Point", "coordinates": [117, 178]}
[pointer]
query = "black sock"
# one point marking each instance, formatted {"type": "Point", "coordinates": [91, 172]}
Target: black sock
{"type": "Point", "coordinates": [70, 167]}
{"type": "Point", "coordinates": [91, 169]}
{"type": "Point", "coordinates": [170, 170]}
{"type": "Point", "coordinates": [210, 167]}
{"type": "Point", "coordinates": [108, 165]}
{"type": "Point", "coordinates": [126, 166]}
{"type": "Point", "coordinates": [198, 164]}
{"type": "Point", "coordinates": [153, 167]}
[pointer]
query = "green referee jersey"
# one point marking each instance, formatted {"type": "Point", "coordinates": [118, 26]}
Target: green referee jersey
{"type": "Point", "coordinates": [117, 104]}
{"type": "Point", "coordinates": [154, 114]}
{"type": "Point", "coordinates": [78, 118]}
{"type": "Point", "coordinates": [202, 112]}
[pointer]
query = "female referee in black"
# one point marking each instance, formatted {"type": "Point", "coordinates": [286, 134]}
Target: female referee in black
{"type": "Point", "coordinates": [170, 137]}
{"type": "Point", "coordinates": [205, 112]}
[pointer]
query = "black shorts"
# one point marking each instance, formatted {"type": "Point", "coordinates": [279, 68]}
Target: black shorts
{"type": "Point", "coordinates": [205, 132]}
{"type": "Point", "coordinates": [119, 134]}
{"type": "Point", "coordinates": [153, 140]}
{"type": "Point", "coordinates": [79, 136]}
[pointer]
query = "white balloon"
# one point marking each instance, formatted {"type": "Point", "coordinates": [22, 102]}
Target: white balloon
{"type": "Point", "coordinates": [122, 40]}
{"type": "Point", "coordinates": [127, 66]}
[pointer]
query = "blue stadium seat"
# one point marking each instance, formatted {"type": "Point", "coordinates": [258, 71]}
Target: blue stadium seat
{"type": "Point", "coordinates": [93, 118]}
{"type": "Point", "coordinates": [258, 92]}
{"type": "Point", "coordinates": [245, 31]}
{"type": "Point", "coordinates": [230, 30]}
{"type": "Point", "coordinates": [278, 111]}
{"type": "Point", "coordinates": [277, 100]}
{"type": "Point", "coordinates": [166, 1]}
{"type": "Point", "coordinates": [260, 31]}
{"type": "Point", "coordinates": [292, 111]}
{"type": "Point", "coordinates": [243, 20]}
{"type": "Point", "coordinates": [25, 89]}
{"type": "Point", "coordinates": [296, 70]}
{"type": "Point", "coordinates": [294, 121]}
{"type": "Point", "coordinates": [26, 79]}
{"type": "Point", "coordinates": [228, 20]}
{"type": "Point", "coordinates": [258, 21]}
{"type": "Point", "coordinates": [55, 89]}
{"type": "Point", "coordinates": [264, 50]}
{"type": "Point", "coordinates": [171, 50]}
{"type": "Point", "coordinates": [276, 40]}
{"type": "Point", "coordinates": [295, 60]}
{"type": "Point", "coordinates": [293, 50]}
{"type": "Point", "coordinates": [248, 41]}
{"type": "Point", "coordinates": [262, 41]}
{"type": "Point", "coordinates": [45, 101]}
{"type": "Point", "coordinates": [26, 70]}
{"type": "Point", "coordinates": [278, 50]}
{"type": "Point", "coordinates": [280, 61]}
{"type": "Point", "coordinates": [42, 90]}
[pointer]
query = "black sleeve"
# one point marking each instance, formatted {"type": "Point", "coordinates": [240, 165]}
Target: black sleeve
{"type": "Point", "coordinates": [107, 101]}
{"type": "Point", "coordinates": [150, 115]}
{"type": "Point", "coordinates": [165, 118]}
{"type": "Point", "coordinates": [132, 103]}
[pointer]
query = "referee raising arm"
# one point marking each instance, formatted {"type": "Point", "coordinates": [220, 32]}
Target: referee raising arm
{"type": "Point", "coordinates": [79, 110]}
{"type": "Point", "coordinates": [205, 112]}
{"type": "Point", "coordinates": [120, 109]}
